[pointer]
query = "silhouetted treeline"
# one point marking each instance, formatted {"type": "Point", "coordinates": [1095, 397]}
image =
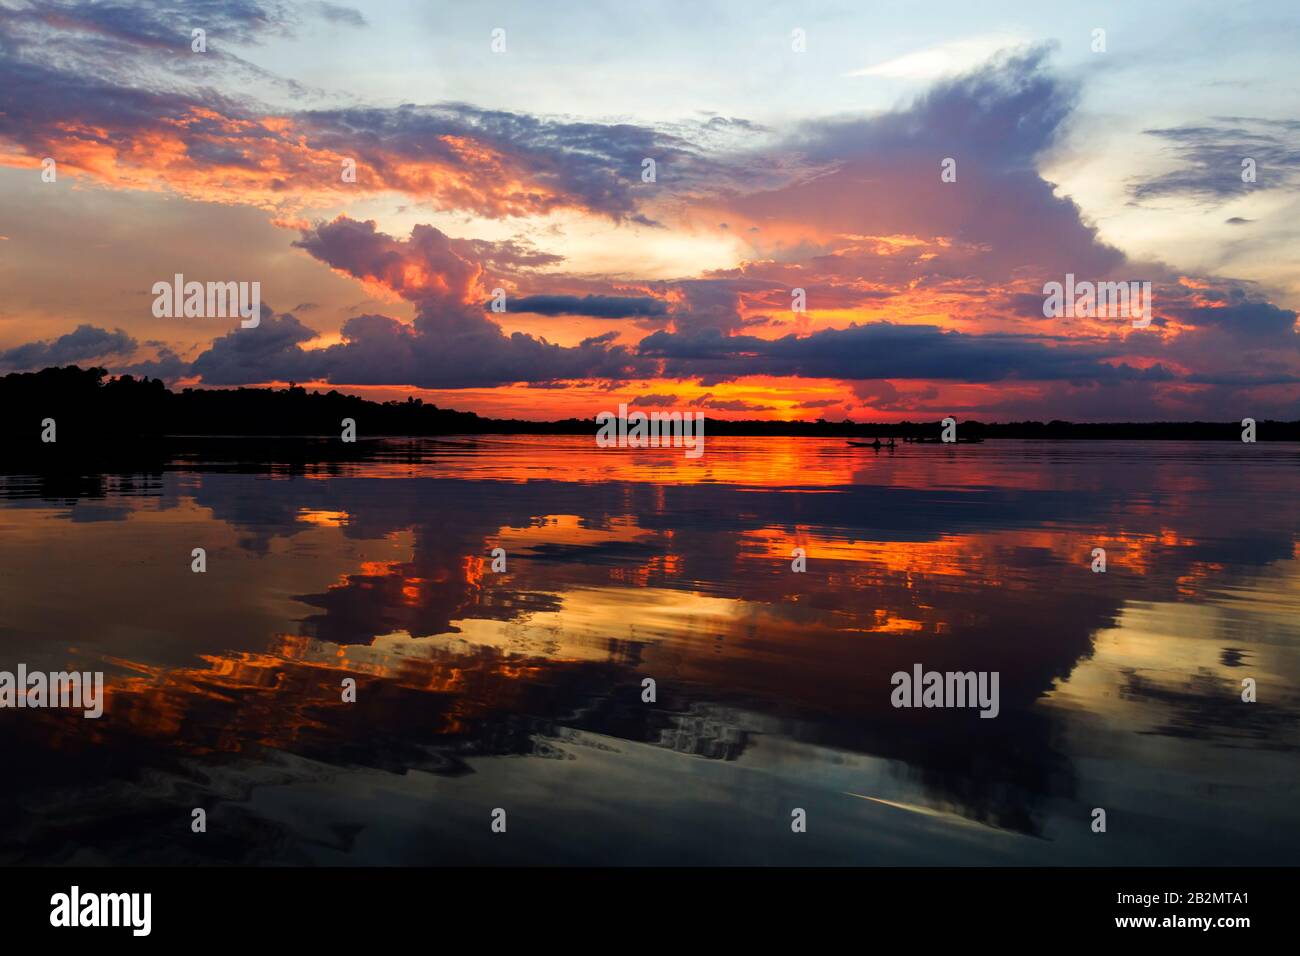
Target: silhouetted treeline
{"type": "Point", "coordinates": [127, 415]}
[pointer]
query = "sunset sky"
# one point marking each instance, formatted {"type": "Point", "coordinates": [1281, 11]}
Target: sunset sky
{"type": "Point", "coordinates": [775, 170]}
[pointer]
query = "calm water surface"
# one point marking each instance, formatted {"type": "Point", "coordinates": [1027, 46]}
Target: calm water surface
{"type": "Point", "coordinates": [522, 690]}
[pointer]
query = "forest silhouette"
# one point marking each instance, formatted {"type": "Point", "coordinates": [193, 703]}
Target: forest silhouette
{"type": "Point", "coordinates": [107, 416]}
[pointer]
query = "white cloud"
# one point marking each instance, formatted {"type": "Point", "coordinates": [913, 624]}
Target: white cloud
{"type": "Point", "coordinates": [942, 60]}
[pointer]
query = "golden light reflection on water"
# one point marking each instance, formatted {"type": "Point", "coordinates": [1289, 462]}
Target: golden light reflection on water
{"type": "Point", "coordinates": [623, 569]}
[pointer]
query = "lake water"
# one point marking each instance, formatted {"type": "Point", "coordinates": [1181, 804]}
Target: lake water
{"type": "Point", "coordinates": [523, 690]}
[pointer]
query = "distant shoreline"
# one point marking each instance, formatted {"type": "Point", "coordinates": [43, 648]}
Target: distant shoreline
{"type": "Point", "coordinates": [91, 410]}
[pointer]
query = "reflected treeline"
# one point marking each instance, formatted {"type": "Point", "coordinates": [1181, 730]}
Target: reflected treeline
{"type": "Point", "coordinates": [1208, 707]}
{"type": "Point", "coordinates": [610, 582]}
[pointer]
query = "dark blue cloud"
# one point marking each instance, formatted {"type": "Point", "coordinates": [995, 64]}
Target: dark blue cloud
{"type": "Point", "coordinates": [266, 353]}
{"type": "Point", "coordinates": [128, 70]}
{"type": "Point", "coordinates": [83, 343]}
{"type": "Point", "coordinates": [999, 117]}
{"type": "Point", "coordinates": [594, 165]}
{"type": "Point", "coordinates": [1209, 160]}
{"type": "Point", "coordinates": [879, 175]}
{"type": "Point", "coordinates": [1236, 312]}
{"type": "Point", "coordinates": [882, 350]}
{"type": "Point", "coordinates": [598, 306]}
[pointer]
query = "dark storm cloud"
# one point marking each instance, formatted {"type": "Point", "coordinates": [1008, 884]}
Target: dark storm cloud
{"type": "Point", "coordinates": [885, 350]}
{"type": "Point", "coordinates": [134, 45]}
{"type": "Point", "coordinates": [167, 23]}
{"type": "Point", "coordinates": [451, 343]}
{"type": "Point", "coordinates": [379, 350]}
{"type": "Point", "coordinates": [266, 353]}
{"type": "Point", "coordinates": [145, 23]}
{"type": "Point", "coordinates": [168, 366]}
{"type": "Point", "coordinates": [1209, 159]}
{"type": "Point", "coordinates": [884, 180]}
{"type": "Point", "coordinates": [593, 165]}
{"type": "Point", "coordinates": [88, 344]}
{"type": "Point", "coordinates": [733, 405]}
{"type": "Point", "coordinates": [656, 400]}
{"type": "Point", "coordinates": [1247, 318]}
{"type": "Point", "coordinates": [90, 82]}
{"type": "Point", "coordinates": [83, 343]}
{"type": "Point", "coordinates": [1002, 115]}
{"type": "Point", "coordinates": [598, 306]}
